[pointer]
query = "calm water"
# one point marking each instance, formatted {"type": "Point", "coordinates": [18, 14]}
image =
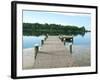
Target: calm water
{"type": "Point", "coordinates": [79, 49]}
{"type": "Point", "coordinates": [83, 41]}
{"type": "Point", "coordinates": [31, 41]}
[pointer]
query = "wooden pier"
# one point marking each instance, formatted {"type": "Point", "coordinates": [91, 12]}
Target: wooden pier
{"type": "Point", "coordinates": [53, 54]}
{"type": "Point", "coordinates": [68, 37]}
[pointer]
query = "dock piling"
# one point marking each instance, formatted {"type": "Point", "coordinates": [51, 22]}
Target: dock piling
{"type": "Point", "coordinates": [42, 42]}
{"type": "Point", "coordinates": [36, 50]}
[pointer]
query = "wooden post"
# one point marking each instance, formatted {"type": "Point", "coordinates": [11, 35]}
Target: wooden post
{"type": "Point", "coordinates": [72, 40]}
{"type": "Point", "coordinates": [36, 50]}
{"type": "Point", "coordinates": [45, 38]}
{"type": "Point", "coordinates": [62, 39]}
{"type": "Point", "coordinates": [64, 42]}
{"type": "Point", "coordinates": [70, 48]}
{"type": "Point", "coordinates": [42, 42]}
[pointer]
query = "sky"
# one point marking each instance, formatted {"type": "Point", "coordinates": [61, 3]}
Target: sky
{"type": "Point", "coordinates": [57, 18]}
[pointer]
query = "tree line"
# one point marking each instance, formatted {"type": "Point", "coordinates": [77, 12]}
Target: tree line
{"type": "Point", "coordinates": [52, 29]}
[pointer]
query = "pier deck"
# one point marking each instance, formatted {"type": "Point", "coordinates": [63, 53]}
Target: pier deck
{"type": "Point", "coordinates": [53, 54]}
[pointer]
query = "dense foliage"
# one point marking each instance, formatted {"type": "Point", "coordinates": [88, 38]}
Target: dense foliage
{"type": "Point", "coordinates": [52, 29]}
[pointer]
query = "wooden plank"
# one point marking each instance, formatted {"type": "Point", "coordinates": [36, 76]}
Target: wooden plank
{"type": "Point", "coordinates": [67, 36]}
